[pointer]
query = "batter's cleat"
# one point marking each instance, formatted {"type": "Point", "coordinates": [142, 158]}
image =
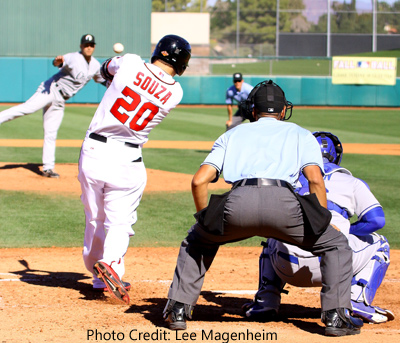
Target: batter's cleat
{"type": "Point", "coordinates": [127, 286]}
{"type": "Point", "coordinates": [371, 314]}
{"type": "Point", "coordinates": [339, 322]}
{"type": "Point", "coordinates": [256, 311]}
{"type": "Point", "coordinates": [175, 314]}
{"type": "Point", "coordinates": [113, 283]}
{"type": "Point", "coordinates": [50, 173]}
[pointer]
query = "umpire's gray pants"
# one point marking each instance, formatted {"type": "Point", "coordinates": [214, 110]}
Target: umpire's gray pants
{"type": "Point", "coordinates": [266, 211]}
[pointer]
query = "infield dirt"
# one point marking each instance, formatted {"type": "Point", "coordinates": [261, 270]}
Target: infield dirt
{"type": "Point", "coordinates": [46, 294]}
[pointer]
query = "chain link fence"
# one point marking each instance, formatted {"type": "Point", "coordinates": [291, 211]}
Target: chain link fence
{"type": "Point", "coordinates": [244, 28]}
{"type": "Point", "coordinates": [266, 66]}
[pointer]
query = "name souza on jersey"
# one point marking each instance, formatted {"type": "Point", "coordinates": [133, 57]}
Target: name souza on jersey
{"type": "Point", "coordinates": [153, 87]}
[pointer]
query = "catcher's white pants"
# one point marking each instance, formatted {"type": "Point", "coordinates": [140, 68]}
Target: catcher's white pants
{"type": "Point", "coordinates": [48, 98]}
{"type": "Point", "coordinates": [305, 271]}
{"type": "Point", "coordinates": [112, 186]}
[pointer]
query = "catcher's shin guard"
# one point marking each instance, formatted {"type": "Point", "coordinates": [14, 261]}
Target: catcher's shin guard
{"type": "Point", "coordinates": [175, 314]}
{"type": "Point", "coordinates": [366, 283]}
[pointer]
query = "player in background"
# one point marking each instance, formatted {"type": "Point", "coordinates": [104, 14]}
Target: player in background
{"type": "Point", "coordinates": [76, 69]}
{"type": "Point", "coordinates": [238, 92]}
{"type": "Point", "coordinates": [282, 263]}
{"type": "Point", "coordinates": [111, 170]}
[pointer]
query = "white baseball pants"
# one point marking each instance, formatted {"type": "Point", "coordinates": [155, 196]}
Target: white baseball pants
{"type": "Point", "coordinates": [112, 186]}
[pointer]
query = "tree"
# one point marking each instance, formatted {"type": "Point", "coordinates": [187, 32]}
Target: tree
{"type": "Point", "coordinates": [287, 17]}
{"type": "Point", "coordinates": [345, 16]}
{"type": "Point", "coordinates": [257, 22]}
{"type": "Point", "coordinates": [222, 17]}
{"type": "Point", "coordinates": [172, 5]}
{"type": "Point", "coordinates": [389, 20]}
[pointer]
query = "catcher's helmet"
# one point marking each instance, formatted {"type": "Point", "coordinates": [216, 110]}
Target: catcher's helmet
{"type": "Point", "coordinates": [267, 97]}
{"type": "Point", "coordinates": [174, 50]}
{"type": "Point", "coordinates": [331, 147]}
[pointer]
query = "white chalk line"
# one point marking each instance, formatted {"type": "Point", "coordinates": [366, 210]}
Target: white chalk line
{"type": "Point", "coordinates": [19, 278]}
{"type": "Point", "coordinates": [28, 278]}
{"type": "Point", "coordinates": [238, 292]}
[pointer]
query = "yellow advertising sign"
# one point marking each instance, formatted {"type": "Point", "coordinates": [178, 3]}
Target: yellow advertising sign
{"type": "Point", "coordinates": [364, 70]}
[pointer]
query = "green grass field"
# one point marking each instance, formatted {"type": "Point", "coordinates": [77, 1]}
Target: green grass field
{"type": "Point", "coordinates": [31, 220]}
{"type": "Point", "coordinates": [311, 66]}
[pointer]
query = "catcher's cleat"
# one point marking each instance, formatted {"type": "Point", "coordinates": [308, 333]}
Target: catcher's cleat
{"type": "Point", "coordinates": [256, 311]}
{"type": "Point", "coordinates": [371, 314]}
{"type": "Point", "coordinates": [127, 286]}
{"type": "Point", "coordinates": [113, 283]}
{"type": "Point", "coordinates": [50, 173]}
{"type": "Point", "coordinates": [175, 314]}
{"type": "Point", "coordinates": [339, 322]}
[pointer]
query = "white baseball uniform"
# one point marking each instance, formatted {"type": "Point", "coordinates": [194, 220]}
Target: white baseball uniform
{"type": "Point", "coordinates": [111, 171]}
{"type": "Point", "coordinates": [51, 95]}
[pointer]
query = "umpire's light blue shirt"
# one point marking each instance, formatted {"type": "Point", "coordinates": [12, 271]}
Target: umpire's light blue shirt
{"type": "Point", "coordinates": [233, 94]}
{"type": "Point", "coordinates": [267, 148]}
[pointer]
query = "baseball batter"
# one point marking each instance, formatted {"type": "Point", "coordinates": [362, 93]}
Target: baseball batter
{"type": "Point", "coordinates": [111, 169]}
{"type": "Point", "coordinates": [236, 93]}
{"type": "Point", "coordinates": [282, 263]}
{"type": "Point", "coordinates": [75, 71]}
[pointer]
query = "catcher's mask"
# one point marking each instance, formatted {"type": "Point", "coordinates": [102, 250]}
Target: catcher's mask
{"type": "Point", "coordinates": [267, 97]}
{"type": "Point", "coordinates": [331, 147]}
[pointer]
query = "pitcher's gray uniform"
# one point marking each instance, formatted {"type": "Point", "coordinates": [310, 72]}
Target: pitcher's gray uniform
{"type": "Point", "coordinates": [74, 73]}
{"type": "Point", "coordinates": [282, 263]}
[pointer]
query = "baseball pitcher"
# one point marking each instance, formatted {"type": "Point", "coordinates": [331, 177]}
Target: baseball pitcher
{"type": "Point", "coordinates": [76, 69]}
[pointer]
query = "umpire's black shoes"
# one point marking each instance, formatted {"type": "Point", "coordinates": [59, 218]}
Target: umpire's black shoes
{"type": "Point", "coordinates": [339, 322]}
{"type": "Point", "coordinates": [175, 314]}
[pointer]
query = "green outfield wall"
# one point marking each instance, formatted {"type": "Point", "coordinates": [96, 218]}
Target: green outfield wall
{"type": "Point", "coordinates": [47, 28]}
{"type": "Point", "coordinates": [22, 76]}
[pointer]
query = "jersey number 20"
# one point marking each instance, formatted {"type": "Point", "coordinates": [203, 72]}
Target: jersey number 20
{"type": "Point", "coordinates": [130, 107]}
